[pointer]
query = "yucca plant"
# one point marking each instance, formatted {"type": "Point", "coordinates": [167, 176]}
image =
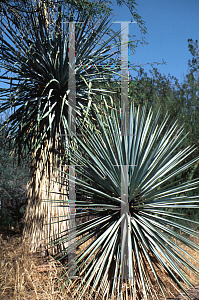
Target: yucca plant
{"type": "Point", "coordinates": [34, 55]}
{"type": "Point", "coordinates": [149, 225]}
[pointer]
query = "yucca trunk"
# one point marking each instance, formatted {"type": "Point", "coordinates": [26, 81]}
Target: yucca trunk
{"type": "Point", "coordinates": [45, 218]}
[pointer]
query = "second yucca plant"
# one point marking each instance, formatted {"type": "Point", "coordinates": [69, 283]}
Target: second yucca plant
{"type": "Point", "coordinates": [151, 151]}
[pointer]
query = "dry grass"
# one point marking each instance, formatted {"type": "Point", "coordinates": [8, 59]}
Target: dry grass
{"type": "Point", "coordinates": [30, 276]}
{"type": "Point", "coordinates": [27, 276]}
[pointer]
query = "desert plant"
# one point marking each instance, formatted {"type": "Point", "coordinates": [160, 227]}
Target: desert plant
{"type": "Point", "coordinates": [151, 152]}
{"type": "Point", "coordinates": [34, 55]}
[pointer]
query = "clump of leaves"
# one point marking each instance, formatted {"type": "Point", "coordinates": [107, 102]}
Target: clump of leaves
{"type": "Point", "coordinates": [124, 181]}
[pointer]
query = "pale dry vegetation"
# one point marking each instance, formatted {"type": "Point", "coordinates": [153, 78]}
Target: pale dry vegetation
{"type": "Point", "coordinates": [31, 276]}
{"type": "Point", "coordinates": [24, 275]}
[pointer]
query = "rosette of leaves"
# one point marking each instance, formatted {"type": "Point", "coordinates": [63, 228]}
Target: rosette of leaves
{"type": "Point", "coordinates": [149, 225]}
{"type": "Point", "coordinates": [34, 57]}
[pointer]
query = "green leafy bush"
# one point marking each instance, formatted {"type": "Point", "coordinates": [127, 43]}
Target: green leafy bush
{"type": "Point", "coordinates": [13, 181]}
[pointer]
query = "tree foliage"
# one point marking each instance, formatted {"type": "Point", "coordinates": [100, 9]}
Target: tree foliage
{"type": "Point", "coordinates": [179, 100]}
{"type": "Point", "coordinates": [13, 181]}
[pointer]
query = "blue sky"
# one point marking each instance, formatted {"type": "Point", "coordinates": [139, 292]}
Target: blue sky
{"type": "Point", "coordinates": [169, 25]}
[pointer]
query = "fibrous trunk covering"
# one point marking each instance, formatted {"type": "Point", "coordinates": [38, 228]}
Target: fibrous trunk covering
{"type": "Point", "coordinates": [46, 213]}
